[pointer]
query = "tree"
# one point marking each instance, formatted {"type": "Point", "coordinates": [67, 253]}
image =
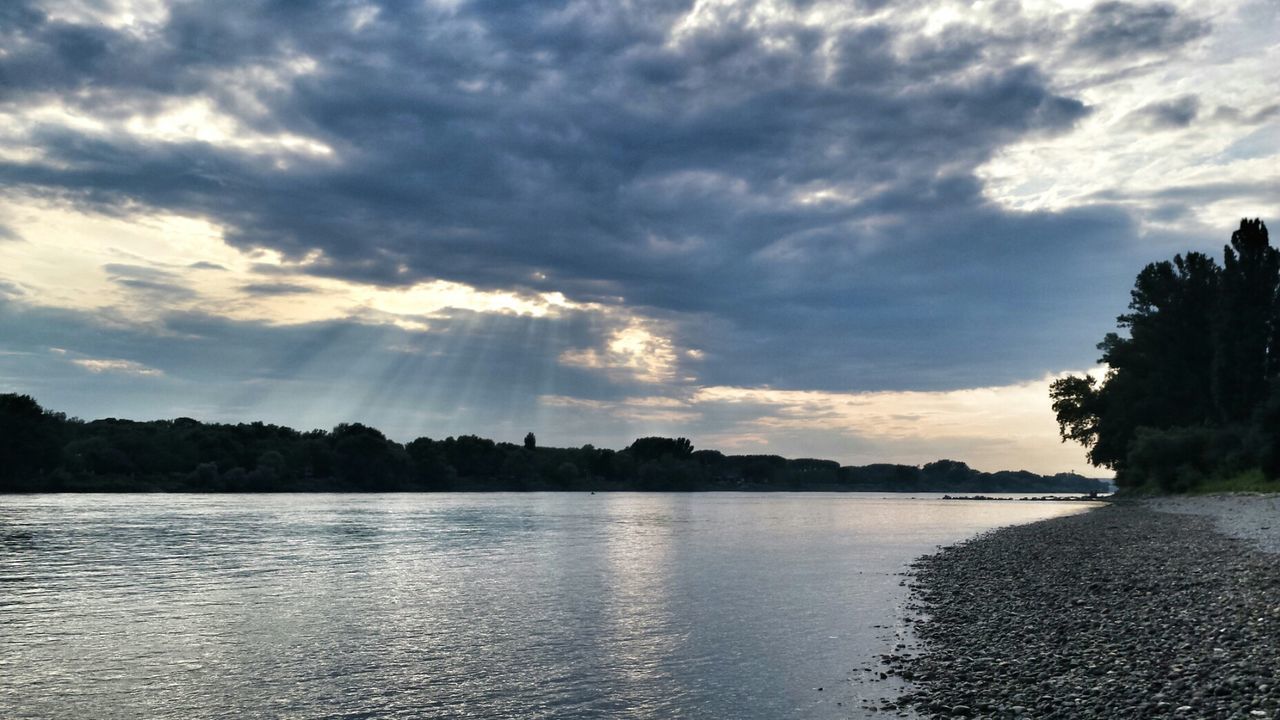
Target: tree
{"type": "Point", "coordinates": [430, 468]}
{"type": "Point", "coordinates": [655, 448]}
{"type": "Point", "coordinates": [472, 456]}
{"type": "Point", "coordinates": [1158, 376]}
{"type": "Point", "coordinates": [1167, 358]}
{"type": "Point", "coordinates": [1246, 322]}
{"type": "Point", "coordinates": [30, 440]}
{"type": "Point", "coordinates": [1075, 404]}
{"type": "Point", "coordinates": [365, 457]}
{"type": "Point", "coordinates": [1199, 350]}
{"type": "Point", "coordinates": [530, 442]}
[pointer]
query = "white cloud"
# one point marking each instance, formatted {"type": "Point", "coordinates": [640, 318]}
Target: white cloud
{"type": "Point", "coordinates": [108, 365]}
{"type": "Point", "coordinates": [129, 15]}
{"type": "Point", "coordinates": [1111, 157]}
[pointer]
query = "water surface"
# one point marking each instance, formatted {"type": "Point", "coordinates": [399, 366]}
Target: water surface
{"type": "Point", "coordinates": [633, 605]}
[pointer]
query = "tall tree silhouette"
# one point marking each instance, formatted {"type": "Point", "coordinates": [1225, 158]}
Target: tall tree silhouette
{"type": "Point", "coordinates": [1246, 322]}
{"type": "Point", "coordinates": [1201, 351]}
{"type": "Point", "coordinates": [1159, 375]}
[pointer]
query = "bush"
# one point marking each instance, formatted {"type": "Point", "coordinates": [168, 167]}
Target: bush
{"type": "Point", "coordinates": [1177, 459]}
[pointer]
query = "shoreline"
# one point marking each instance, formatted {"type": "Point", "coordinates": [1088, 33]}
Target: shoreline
{"type": "Point", "coordinates": [1033, 496]}
{"type": "Point", "coordinates": [1121, 611]}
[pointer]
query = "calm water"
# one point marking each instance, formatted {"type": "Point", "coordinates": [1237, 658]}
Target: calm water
{"type": "Point", "coordinates": [497, 605]}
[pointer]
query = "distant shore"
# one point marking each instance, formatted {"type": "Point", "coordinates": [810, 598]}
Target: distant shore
{"type": "Point", "coordinates": [1123, 611]}
{"type": "Point", "coordinates": [45, 451]}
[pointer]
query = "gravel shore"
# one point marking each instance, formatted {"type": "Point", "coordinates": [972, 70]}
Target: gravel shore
{"type": "Point", "coordinates": [1252, 517]}
{"type": "Point", "coordinates": [1121, 612]}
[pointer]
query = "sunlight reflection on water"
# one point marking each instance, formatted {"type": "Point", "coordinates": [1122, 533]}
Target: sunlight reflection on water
{"type": "Point", "coordinates": [711, 605]}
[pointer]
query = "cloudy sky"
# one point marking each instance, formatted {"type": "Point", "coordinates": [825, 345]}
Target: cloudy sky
{"type": "Point", "coordinates": [869, 231]}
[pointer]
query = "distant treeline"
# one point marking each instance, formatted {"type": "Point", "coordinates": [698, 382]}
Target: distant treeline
{"type": "Point", "coordinates": [1191, 395]}
{"type": "Point", "coordinates": [42, 451]}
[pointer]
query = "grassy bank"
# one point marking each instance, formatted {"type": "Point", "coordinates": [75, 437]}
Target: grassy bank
{"type": "Point", "coordinates": [1249, 481]}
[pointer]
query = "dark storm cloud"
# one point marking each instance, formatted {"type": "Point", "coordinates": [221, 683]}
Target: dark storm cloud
{"type": "Point", "coordinates": [762, 187]}
{"type": "Point", "coordinates": [1119, 29]}
{"type": "Point", "coordinates": [944, 319]}
{"type": "Point", "coordinates": [1169, 114]}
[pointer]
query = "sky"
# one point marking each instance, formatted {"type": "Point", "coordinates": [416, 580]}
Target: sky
{"type": "Point", "coordinates": [869, 231]}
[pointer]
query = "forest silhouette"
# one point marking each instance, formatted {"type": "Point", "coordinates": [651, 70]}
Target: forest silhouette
{"type": "Point", "coordinates": [43, 451]}
{"type": "Point", "coordinates": [1191, 395]}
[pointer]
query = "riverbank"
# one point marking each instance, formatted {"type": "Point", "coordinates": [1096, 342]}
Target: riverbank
{"type": "Point", "coordinates": [1248, 516]}
{"type": "Point", "coordinates": [1123, 611]}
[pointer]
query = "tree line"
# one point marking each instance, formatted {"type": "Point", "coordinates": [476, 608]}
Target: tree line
{"type": "Point", "coordinates": [43, 451]}
{"type": "Point", "coordinates": [1191, 393]}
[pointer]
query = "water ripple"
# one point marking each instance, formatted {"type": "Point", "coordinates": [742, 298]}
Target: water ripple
{"type": "Point", "coordinates": [457, 606]}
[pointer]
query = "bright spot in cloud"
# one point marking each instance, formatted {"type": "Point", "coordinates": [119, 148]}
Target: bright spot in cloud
{"type": "Point", "coordinates": [638, 351]}
{"type": "Point", "coordinates": [133, 15]}
{"type": "Point", "coordinates": [106, 365]}
{"type": "Point", "coordinates": [199, 120]}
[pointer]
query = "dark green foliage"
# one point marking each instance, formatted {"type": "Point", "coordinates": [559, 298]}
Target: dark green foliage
{"type": "Point", "coordinates": [431, 470]}
{"type": "Point", "coordinates": [1262, 437]}
{"type": "Point", "coordinates": [762, 469]}
{"type": "Point", "coordinates": [1246, 322]}
{"type": "Point", "coordinates": [366, 460]}
{"type": "Point", "coordinates": [472, 456]}
{"type": "Point", "coordinates": [46, 452]}
{"type": "Point", "coordinates": [667, 474]}
{"type": "Point", "coordinates": [655, 448]}
{"type": "Point", "coordinates": [30, 441]}
{"type": "Point", "coordinates": [1175, 460]}
{"type": "Point", "coordinates": [1183, 389]}
{"type": "Point", "coordinates": [870, 477]}
{"type": "Point", "coordinates": [946, 472]}
{"type": "Point", "coordinates": [809, 471]}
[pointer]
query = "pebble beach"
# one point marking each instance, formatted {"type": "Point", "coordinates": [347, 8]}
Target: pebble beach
{"type": "Point", "coordinates": [1142, 609]}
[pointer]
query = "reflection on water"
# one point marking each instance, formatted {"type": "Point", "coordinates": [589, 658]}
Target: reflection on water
{"type": "Point", "coordinates": [496, 605]}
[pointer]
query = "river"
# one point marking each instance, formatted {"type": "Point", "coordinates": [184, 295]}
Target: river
{"type": "Point", "coordinates": [540, 605]}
